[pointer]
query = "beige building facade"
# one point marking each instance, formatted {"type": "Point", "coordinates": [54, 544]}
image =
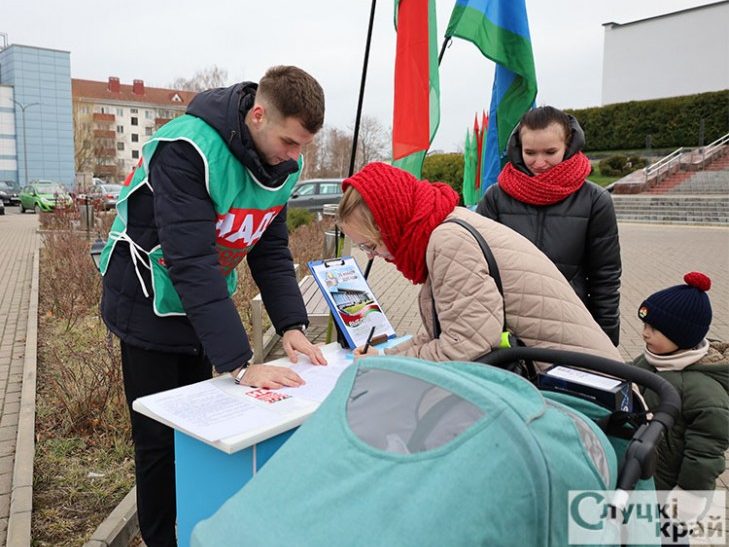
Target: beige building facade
{"type": "Point", "coordinates": [113, 120]}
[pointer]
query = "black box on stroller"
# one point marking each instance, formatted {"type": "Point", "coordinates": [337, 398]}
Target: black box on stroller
{"type": "Point", "coordinates": [611, 393]}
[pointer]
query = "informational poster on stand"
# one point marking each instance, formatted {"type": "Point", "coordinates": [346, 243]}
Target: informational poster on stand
{"type": "Point", "coordinates": [353, 304]}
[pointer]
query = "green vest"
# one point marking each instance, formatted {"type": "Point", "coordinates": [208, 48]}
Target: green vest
{"type": "Point", "coordinates": [244, 209]}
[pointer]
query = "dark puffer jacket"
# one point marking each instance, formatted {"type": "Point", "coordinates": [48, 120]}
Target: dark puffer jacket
{"type": "Point", "coordinates": [180, 216]}
{"type": "Point", "coordinates": [579, 234]}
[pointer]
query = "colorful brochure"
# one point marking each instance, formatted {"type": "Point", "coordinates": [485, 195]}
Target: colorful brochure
{"type": "Point", "coordinates": [353, 304]}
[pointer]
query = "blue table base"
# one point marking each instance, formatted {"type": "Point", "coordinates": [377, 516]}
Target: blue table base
{"type": "Point", "coordinates": [206, 477]}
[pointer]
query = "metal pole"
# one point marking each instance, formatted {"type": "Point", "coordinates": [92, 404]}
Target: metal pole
{"type": "Point", "coordinates": [362, 89]}
{"type": "Point", "coordinates": [25, 138]}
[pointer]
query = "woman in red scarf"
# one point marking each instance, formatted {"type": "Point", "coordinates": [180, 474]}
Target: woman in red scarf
{"type": "Point", "coordinates": [387, 212]}
{"type": "Point", "coordinates": [543, 194]}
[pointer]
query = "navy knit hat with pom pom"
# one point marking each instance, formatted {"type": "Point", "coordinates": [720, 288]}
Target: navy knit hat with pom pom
{"type": "Point", "coordinates": [682, 312]}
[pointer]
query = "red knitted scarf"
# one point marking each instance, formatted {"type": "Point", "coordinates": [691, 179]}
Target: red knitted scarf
{"type": "Point", "coordinates": [406, 211]}
{"type": "Point", "coordinates": [549, 187]}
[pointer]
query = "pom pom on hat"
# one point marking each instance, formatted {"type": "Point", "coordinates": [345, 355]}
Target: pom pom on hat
{"type": "Point", "coordinates": [698, 280]}
{"type": "Point", "coordinates": [682, 312]}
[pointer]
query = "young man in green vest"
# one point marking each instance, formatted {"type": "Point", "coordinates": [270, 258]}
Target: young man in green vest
{"type": "Point", "coordinates": [211, 190]}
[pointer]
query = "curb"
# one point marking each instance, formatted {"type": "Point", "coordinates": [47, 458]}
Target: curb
{"type": "Point", "coordinates": [21, 500]}
{"type": "Point", "coordinates": [120, 527]}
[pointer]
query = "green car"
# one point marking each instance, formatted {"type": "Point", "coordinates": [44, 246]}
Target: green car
{"type": "Point", "coordinates": [43, 195]}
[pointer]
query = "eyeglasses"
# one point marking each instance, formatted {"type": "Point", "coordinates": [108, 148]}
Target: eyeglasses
{"type": "Point", "coordinates": [368, 248]}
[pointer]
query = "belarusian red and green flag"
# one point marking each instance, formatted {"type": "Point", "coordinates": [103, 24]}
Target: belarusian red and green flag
{"type": "Point", "coordinates": [500, 29]}
{"type": "Point", "coordinates": [417, 90]}
{"type": "Point", "coordinates": [469, 172]}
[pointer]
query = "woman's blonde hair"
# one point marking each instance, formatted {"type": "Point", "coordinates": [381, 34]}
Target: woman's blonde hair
{"type": "Point", "coordinates": [353, 209]}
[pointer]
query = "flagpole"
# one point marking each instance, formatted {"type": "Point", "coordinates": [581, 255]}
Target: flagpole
{"type": "Point", "coordinates": [355, 138]}
{"type": "Point", "coordinates": [446, 41]}
{"type": "Point", "coordinates": [362, 89]}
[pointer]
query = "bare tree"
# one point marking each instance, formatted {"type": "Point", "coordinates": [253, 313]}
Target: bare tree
{"type": "Point", "coordinates": [83, 138]}
{"type": "Point", "coordinates": [207, 78]}
{"type": "Point", "coordinates": [374, 142]}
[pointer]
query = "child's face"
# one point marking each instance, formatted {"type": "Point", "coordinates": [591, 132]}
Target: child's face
{"type": "Point", "coordinates": [656, 341]}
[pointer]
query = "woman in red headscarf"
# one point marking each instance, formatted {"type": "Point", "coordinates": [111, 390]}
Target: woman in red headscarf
{"type": "Point", "coordinates": [389, 213]}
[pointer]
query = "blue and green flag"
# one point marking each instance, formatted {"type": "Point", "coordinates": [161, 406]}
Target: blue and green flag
{"type": "Point", "coordinates": [500, 29]}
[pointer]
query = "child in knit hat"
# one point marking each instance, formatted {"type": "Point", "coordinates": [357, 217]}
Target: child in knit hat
{"type": "Point", "coordinates": [691, 456]}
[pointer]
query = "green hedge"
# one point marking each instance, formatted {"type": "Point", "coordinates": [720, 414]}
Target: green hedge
{"type": "Point", "coordinates": [671, 123]}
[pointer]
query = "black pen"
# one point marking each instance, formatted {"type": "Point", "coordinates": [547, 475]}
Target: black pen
{"type": "Point", "coordinates": [369, 339]}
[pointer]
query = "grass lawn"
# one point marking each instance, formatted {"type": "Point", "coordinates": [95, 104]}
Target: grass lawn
{"type": "Point", "coordinates": [602, 180]}
{"type": "Point", "coordinates": [598, 178]}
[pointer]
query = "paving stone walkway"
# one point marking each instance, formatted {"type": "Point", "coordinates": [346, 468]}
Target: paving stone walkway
{"type": "Point", "coordinates": [654, 257]}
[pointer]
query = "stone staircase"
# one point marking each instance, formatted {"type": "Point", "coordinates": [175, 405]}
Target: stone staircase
{"type": "Point", "coordinates": [682, 197]}
{"type": "Point", "coordinates": [675, 208]}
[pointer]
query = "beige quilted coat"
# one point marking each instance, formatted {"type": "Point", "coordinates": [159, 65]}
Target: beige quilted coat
{"type": "Point", "coordinates": [541, 307]}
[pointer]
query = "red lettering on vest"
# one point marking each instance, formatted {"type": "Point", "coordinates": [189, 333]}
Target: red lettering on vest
{"type": "Point", "coordinates": [237, 231]}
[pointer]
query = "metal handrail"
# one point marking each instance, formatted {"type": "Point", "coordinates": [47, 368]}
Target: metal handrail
{"type": "Point", "coordinates": [664, 163]}
{"type": "Point", "coordinates": [712, 148]}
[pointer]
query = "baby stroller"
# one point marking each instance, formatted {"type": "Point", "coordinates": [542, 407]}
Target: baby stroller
{"type": "Point", "coordinates": [405, 452]}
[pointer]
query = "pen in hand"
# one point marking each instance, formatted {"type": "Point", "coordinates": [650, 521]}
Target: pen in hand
{"type": "Point", "coordinates": [369, 340]}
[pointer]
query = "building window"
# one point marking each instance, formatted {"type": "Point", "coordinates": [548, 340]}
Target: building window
{"type": "Point", "coordinates": [120, 129]}
{"type": "Point", "coordinates": [148, 131]}
{"type": "Point", "coordinates": [120, 146]}
{"type": "Point", "coordinates": [133, 110]}
{"type": "Point", "coordinates": [119, 111]}
{"type": "Point", "coordinates": [135, 137]}
{"type": "Point", "coordinates": [148, 115]}
{"type": "Point", "coordinates": [135, 154]}
{"type": "Point", "coordinates": [84, 110]}
{"type": "Point", "coordinates": [135, 120]}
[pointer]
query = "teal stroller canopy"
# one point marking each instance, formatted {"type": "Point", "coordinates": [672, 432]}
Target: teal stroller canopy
{"type": "Point", "coordinates": [406, 452]}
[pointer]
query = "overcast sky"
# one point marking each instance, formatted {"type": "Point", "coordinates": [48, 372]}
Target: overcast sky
{"type": "Point", "coordinates": [159, 40]}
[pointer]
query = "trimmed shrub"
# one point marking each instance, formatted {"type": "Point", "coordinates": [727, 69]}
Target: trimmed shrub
{"type": "Point", "coordinates": [619, 165]}
{"type": "Point", "coordinates": [446, 168]}
{"type": "Point", "coordinates": [298, 217]}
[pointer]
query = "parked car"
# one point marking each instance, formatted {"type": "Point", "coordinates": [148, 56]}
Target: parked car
{"type": "Point", "coordinates": [2, 207]}
{"type": "Point", "coordinates": [313, 194]}
{"type": "Point", "coordinates": [104, 195]}
{"type": "Point", "coordinates": [9, 191]}
{"type": "Point", "coordinates": [43, 195]}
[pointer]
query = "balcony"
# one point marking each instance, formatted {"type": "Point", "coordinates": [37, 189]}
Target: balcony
{"type": "Point", "coordinates": [104, 134]}
{"type": "Point", "coordinates": [159, 122]}
{"type": "Point", "coordinates": [99, 117]}
{"type": "Point", "coordinates": [105, 152]}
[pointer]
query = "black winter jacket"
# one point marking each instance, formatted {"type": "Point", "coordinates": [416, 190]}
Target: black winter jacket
{"type": "Point", "coordinates": [579, 234]}
{"type": "Point", "coordinates": [180, 216]}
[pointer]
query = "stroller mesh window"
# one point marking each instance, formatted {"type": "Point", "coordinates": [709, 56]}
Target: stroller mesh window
{"type": "Point", "coordinates": [398, 413]}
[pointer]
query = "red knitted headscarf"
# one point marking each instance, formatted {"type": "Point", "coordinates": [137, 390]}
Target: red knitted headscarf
{"type": "Point", "coordinates": [549, 187]}
{"type": "Point", "coordinates": [406, 211]}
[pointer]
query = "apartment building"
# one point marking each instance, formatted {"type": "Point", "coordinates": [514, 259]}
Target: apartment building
{"type": "Point", "coordinates": [113, 120]}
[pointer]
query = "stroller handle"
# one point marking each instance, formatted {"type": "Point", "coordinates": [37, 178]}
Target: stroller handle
{"type": "Point", "coordinates": [639, 461]}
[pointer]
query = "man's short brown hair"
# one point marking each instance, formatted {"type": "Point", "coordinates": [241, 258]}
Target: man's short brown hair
{"type": "Point", "coordinates": [294, 93]}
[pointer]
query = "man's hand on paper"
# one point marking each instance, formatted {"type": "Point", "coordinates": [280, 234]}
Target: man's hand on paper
{"type": "Point", "coordinates": [269, 376]}
{"type": "Point", "coordinates": [371, 351]}
{"type": "Point", "coordinates": [294, 340]}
